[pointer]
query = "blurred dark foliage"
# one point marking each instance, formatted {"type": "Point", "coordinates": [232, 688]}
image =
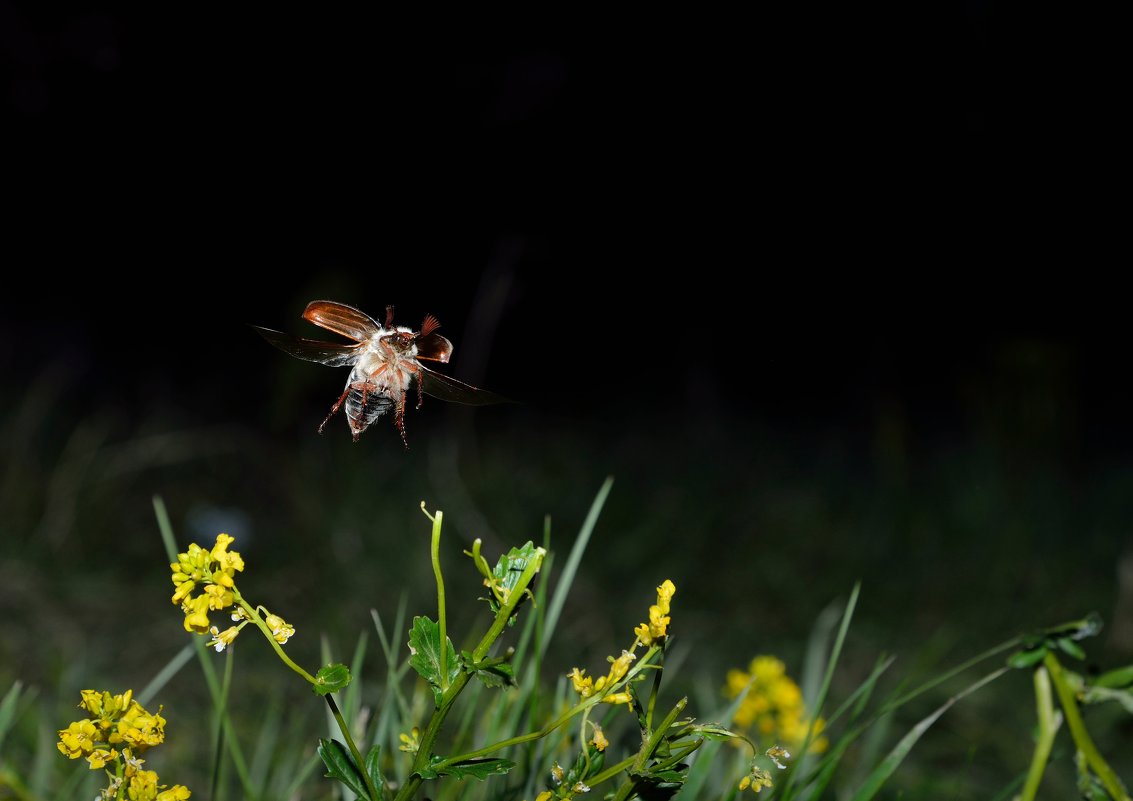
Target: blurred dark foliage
{"type": "Point", "coordinates": [831, 295]}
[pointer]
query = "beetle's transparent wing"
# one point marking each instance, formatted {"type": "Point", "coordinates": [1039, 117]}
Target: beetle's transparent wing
{"type": "Point", "coordinates": [332, 354]}
{"type": "Point", "coordinates": [449, 389]}
{"type": "Point", "coordinates": [341, 319]}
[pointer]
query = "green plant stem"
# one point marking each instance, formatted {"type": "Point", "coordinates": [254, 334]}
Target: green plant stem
{"type": "Point", "coordinates": [254, 615]}
{"type": "Point", "coordinates": [611, 772]}
{"type": "Point", "coordinates": [1048, 726]}
{"type": "Point", "coordinates": [1078, 731]}
{"type": "Point", "coordinates": [435, 555]}
{"type": "Point", "coordinates": [334, 710]}
{"type": "Point", "coordinates": [449, 696]}
{"type": "Point", "coordinates": [648, 747]}
{"type": "Point", "coordinates": [561, 720]}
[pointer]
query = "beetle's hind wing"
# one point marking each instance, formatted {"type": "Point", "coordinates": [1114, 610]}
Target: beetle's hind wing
{"type": "Point", "coordinates": [449, 389]}
{"type": "Point", "coordinates": [332, 354]}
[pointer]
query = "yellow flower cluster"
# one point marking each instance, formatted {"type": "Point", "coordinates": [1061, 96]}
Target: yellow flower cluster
{"type": "Point", "coordinates": [647, 634]}
{"type": "Point", "coordinates": [658, 625]}
{"type": "Point", "coordinates": [772, 708]}
{"type": "Point", "coordinates": [119, 731]}
{"type": "Point", "coordinates": [213, 570]}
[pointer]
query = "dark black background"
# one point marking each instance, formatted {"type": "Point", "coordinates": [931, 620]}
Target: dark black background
{"type": "Point", "coordinates": [833, 293]}
{"type": "Point", "coordinates": [781, 216]}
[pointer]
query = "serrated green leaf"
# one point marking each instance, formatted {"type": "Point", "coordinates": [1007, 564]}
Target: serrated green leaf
{"type": "Point", "coordinates": [340, 766]}
{"type": "Point", "coordinates": [373, 768]}
{"type": "Point", "coordinates": [425, 647]}
{"type": "Point", "coordinates": [500, 674]}
{"type": "Point", "coordinates": [1022, 660]}
{"type": "Point", "coordinates": [508, 571]}
{"type": "Point", "coordinates": [331, 679]}
{"type": "Point", "coordinates": [1068, 646]}
{"type": "Point", "coordinates": [651, 788]}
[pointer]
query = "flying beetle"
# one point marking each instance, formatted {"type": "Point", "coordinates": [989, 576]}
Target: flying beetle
{"type": "Point", "coordinates": [384, 361]}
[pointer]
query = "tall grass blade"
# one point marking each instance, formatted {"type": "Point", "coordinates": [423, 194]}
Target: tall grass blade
{"type": "Point", "coordinates": [882, 772]}
{"type": "Point", "coordinates": [558, 600]}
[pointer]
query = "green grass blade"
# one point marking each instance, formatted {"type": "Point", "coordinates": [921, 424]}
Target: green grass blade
{"type": "Point", "coordinates": [171, 669]}
{"type": "Point", "coordinates": [882, 772]}
{"type": "Point", "coordinates": [8, 709]}
{"type": "Point", "coordinates": [804, 750]}
{"type": "Point", "coordinates": [558, 600]}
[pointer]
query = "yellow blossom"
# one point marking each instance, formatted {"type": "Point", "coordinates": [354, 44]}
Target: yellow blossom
{"type": "Point", "coordinates": [196, 614]}
{"type": "Point", "coordinates": [599, 738]}
{"type": "Point", "coordinates": [142, 786]}
{"type": "Point", "coordinates": [658, 625]}
{"type": "Point", "coordinates": [410, 743]}
{"type": "Point", "coordinates": [756, 780]}
{"type": "Point", "coordinates": [619, 667]}
{"type": "Point", "coordinates": [77, 739]}
{"type": "Point", "coordinates": [583, 685]}
{"type": "Point", "coordinates": [544, 796]}
{"type": "Point", "coordinates": [219, 597]}
{"type": "Point", "coordinates": [139, 728]}
{"type": "Point", "coordinates": [773, 704]}
{"type": "Point", "coordinates": [119, 719]}
{"type": "Point", "coordinates": [100, 756]}
{"type": "Point", "coordinates": [619, 698]}
{"type": "Point", "coordinates": [280, 628]}
{"type": "Point", "coordinates": [222, 639]}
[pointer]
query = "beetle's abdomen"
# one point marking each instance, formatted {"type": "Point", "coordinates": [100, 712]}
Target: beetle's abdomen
{"type": "Point", "coordinates": [362, 414]}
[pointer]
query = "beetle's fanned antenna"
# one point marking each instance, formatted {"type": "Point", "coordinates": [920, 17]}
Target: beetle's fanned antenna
{"type": "Point", "coordinates": [429, 325]}
{"type": "Point", "coordinates": [389, 317]}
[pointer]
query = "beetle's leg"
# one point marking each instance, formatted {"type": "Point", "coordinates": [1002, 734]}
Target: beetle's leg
{"type": "Point", "coordinates": [337, 405]}
{"type": "Point", "coordinates": [399, 418]}
{"type": "Point", "coordinates": [415, 371]}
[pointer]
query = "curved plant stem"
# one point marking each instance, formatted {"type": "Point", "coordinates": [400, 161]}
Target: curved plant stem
{"type": "Point", "coordinates": [1078, 731]}
{"type": "Point", "coordinates": [1049, 721]}
{"type": "Point", "coordinates": [254, 616]}
{"type": "Point", "coordinates": [435, 555]}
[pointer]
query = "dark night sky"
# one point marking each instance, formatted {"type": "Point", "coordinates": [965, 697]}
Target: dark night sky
{"type": "Point", "coordinates": [791, 215]}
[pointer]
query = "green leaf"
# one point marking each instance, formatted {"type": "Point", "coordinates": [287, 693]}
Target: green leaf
{"type": "Point", "coordinates": [1068, 646]}
{"type": "Point", "coordinates": [1098, 695]}
{"type": "Point", "coordinates": [475, 768]}
{"type": "Point", "coordinates": [713, 732]}
{"type": "Point", "coordinates": [425, 647]}
{"type": "Point", "coordinates": [1090, 786]}
{"type": "Point", "coordinates": [340, 765]}
{"type": "Point", "coordinates": [1022, 660]}
{"type": "Point", "coordinates": [331, 679]}
{"type": "Point", "coordinates": [499, 674]}
{"type": "Point", "coordinates": [660, 786]}
{"type": "Point", "coordinates": [1117, 678]}
{"type": "Point", "coordinates": [1088, 626]}
{"type": "Point", "coordinates": [893, 759]}
{"type": "Point", "coordinates": [373, 769]}
{"type": "Point", "coordinates": [509, 569]}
